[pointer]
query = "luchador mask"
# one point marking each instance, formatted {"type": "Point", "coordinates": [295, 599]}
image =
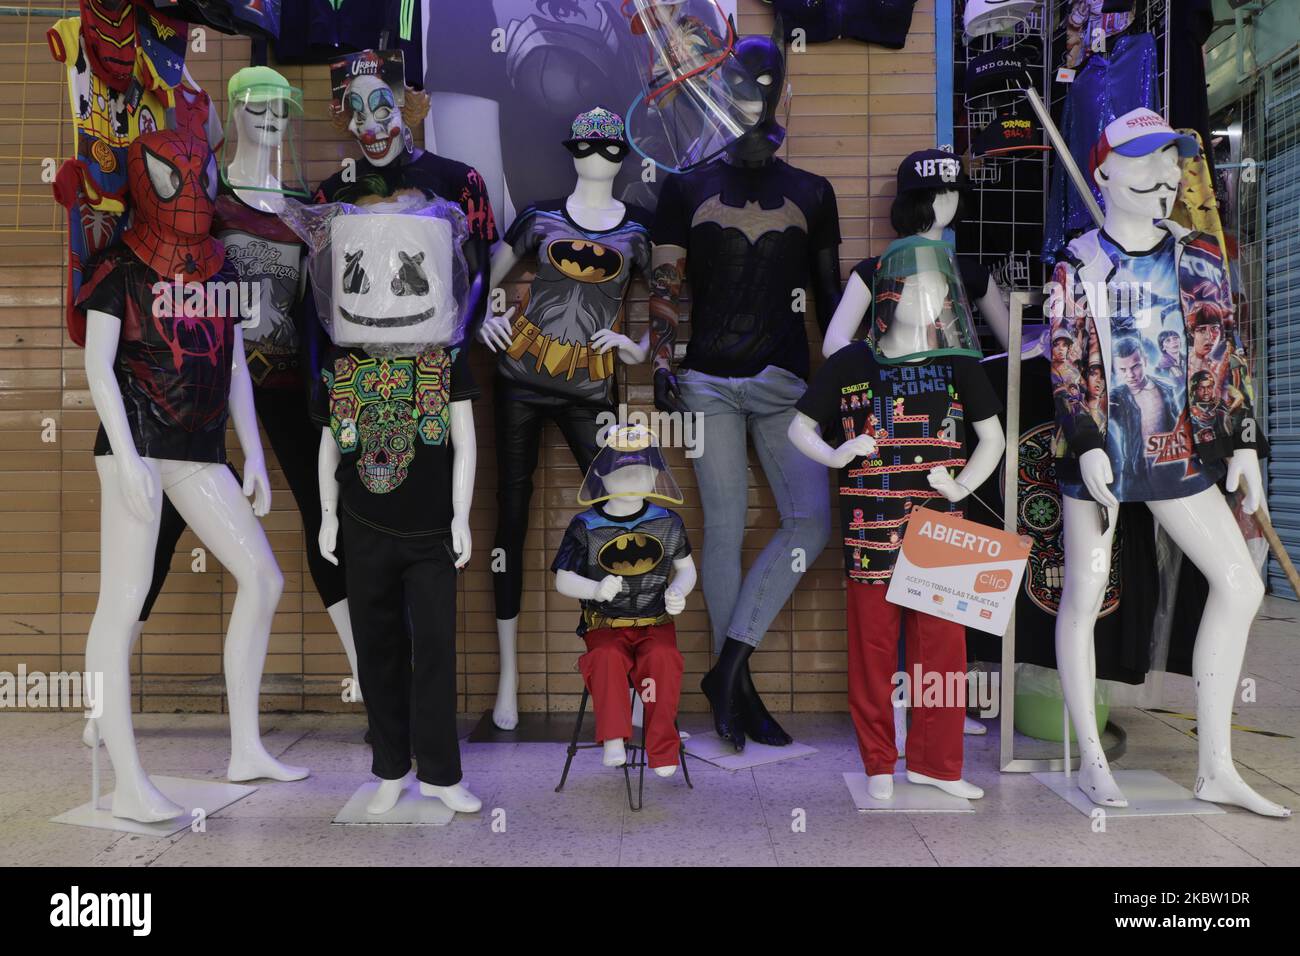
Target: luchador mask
{"type": "Point", "coordinates": [108, 33]}
{"type": "Point", "coordinates": [172, 180]}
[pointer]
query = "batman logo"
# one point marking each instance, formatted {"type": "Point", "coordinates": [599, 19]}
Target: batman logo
{"type": "Point", "coordinates": [631, 553]}
{"type": "Point", "coordinates": [584, 260]}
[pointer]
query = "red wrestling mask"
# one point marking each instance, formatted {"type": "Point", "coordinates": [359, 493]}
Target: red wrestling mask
{"type": "Point", "coordinates": [108, 33]}
{"type": "Point", "coordinates": [172, 179]}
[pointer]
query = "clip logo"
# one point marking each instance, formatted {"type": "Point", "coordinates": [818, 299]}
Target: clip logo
{"type": "Point", "coordinates": [987, 582]}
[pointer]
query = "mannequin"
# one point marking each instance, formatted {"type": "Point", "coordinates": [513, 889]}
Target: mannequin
{"type": "Point", "coordinates": [753, 236]}
{"type": "Point", "coordinates": [627, 611]}
{"type": "Point", "coordinates": [574, 305]}
{"type": "Point", "coordinates": [165, 435]}
{"type": "Point", "coordinates": [895, 405]}
{"type": "Point", "coordinates": [1153, 441]}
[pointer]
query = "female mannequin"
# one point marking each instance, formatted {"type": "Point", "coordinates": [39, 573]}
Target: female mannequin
{"type": "Point", "coordinates": [1161, 443]}
{"type": "Point", "coordinates": [169, 439]}
{"type": "Point", "coordinates": [587, 247]}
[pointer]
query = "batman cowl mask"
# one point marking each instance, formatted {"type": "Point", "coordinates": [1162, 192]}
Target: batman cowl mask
{"type": "Point", "coordinates": [764, 60]}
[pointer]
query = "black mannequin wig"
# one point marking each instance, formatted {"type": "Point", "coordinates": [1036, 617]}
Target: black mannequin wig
{"type": "Point", "coordinates": [913, 211]}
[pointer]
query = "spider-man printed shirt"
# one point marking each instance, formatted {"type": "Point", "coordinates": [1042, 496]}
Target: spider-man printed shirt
{"type": "Point", "coordinates": [173, 370]}
{"type": "Point", "coordinates": [917, 413]}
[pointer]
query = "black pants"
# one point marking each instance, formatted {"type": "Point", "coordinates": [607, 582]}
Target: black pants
{"type": "Point", "coordinates": [402, 601]}
{"type": "Point", "coordinates": [296, 443]}
{"type": "Point", "coordinates": [519, 426]}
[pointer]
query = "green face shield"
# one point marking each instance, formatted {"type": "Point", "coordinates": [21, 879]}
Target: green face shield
{"type": "Point", "coordinates": [920, 307]}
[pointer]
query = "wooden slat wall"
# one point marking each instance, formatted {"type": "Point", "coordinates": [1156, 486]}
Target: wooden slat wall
{"type": "Point", "coordinates": [855, 112]}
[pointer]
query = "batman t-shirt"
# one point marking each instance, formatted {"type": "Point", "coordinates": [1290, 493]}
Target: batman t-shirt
{"type": "Point", "coordinates": [640, 548]}
{"type": "Point", "coordinates": [752, 235]}
{"type": "Point", "coordinates": [581, 281]}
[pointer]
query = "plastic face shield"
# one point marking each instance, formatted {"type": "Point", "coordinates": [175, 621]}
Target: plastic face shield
{"type": "Point", "coordinates": [261, 152]}
{"type": "Point", "coordinates": [629, 466]}
{"type": "Point", "coordinates": [920, 307]}
{"type": "Point", "coordinates": [697, 97]}
{"type": "Point", "coordinates": [388, 278]}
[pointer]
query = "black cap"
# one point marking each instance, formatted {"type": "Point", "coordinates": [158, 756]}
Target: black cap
{"type": "Point", "coordinates": [1014, 130]}
{"type": "Point", "coordinates": [997, 70]}
{"type": "Point", "coordinates": [931, 169]}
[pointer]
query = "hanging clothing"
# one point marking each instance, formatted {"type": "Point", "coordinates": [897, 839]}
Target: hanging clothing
{"type": "Point", "coordinates": [882, 22]}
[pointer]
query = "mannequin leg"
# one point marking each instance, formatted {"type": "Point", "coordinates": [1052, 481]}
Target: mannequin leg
{"type": "Point", "coordinates": [606, 668]}
{"type": "Point", "coordinates": [126, 565]}
{"type": "Point", "coordinates": [1087, 568]}
{"type": "Point", "coordinates": [659, 662]}
{"type": "Point", "coordinates": [338, 613]}
{"type": "Point", "coordinates": [1204, 528]}
{"type": "Point", "coordinates": [212, 503]}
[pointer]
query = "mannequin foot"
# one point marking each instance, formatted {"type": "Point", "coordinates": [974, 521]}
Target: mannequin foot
{"type": "Point", "coordinates": [667, 771]}
{"type": "Point", "coordinates": [88, 736]}
{"type": "Point", "coordinates": [386, 797]}
{"type": "Point", "coordinates": [615, 753]}
{"type": "Point", "coordinates": [505, 712]}
{"type": "Point", "coordinates": [958, 788]}
{"type": "Point", "coordinates": [759, 725]}
{"type": "Point", "coordinates": [900, 731]}
{"type": "Point", "coordinates": [725, 706]}
{"type": "Point", "coordinates": [880, 786]}
{"type": "Point", "coordinates": [1224, 785]}
{"type": "Point", "coordinates": [257, 764]}
{"type": "Point", "coordinates": [973, 728]}
{"type": "Point", "coordinates": [456, 797]}
{"type": "Point", "coordinates": [140, 800]}
{"type": "Point", "coordinates": [1096, 782]}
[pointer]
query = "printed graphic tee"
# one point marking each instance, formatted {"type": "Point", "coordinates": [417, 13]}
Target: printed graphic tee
{"type": "Point", "coordinates": [917, 414]}
{"type": "Point", "coordinates": [640, 548]}
{"type": "Point", "coordinates": [1148, 430]}
{"type": "Point", "coordinates": [392, 421]}
{"type": "Point", "coordinates": [582, 278]}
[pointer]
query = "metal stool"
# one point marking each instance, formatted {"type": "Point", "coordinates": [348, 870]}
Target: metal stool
{"type": "Point", "coordinates": [636, 756]}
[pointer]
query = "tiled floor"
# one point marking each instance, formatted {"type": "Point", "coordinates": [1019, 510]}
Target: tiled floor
{"type": "Point", "coordinates": [743, 818]}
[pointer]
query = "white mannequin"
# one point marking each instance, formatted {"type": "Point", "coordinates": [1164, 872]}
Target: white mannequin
{"type": "Point", "coordinates": [210, 501]}
{"type": "Point", "coordinates": [857, 296]}
{"type": "Point", "coordinates": [630, 485]}
{"type": "Point", "coordinates": [1202, 525]}
{"type": "Point", "coordinates": [907, 330]}
{"type": "Point", "coordinates": [464, 462]}
{"type": "Point", "coordinates": [592, 206]}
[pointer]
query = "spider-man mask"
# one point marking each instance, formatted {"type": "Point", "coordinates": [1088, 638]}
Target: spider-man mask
{"type": "Point", "coordinates": [172, 180]}
{"type": "Point", "coordinates": [108, 32]}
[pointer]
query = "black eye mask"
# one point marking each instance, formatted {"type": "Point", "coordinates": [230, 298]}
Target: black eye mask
{"type": "Point", "coordinates": [612, 151]}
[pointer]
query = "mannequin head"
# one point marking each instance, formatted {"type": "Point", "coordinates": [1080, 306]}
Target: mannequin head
{"type": "Point", "coordinates": [1135, 165]}
{"type": "Point", "coordinates": [598, 142]}
{"type": "Point", "coordinates": [924, 211]}
{"type": "Point", "coordinates": [263, 118]}
{"type": "Point", "coordinates": [920, 306]}
{"type": "Point", "coordinates": [763, 61]}
{"type": "Point", "coordinates": [629, 466]}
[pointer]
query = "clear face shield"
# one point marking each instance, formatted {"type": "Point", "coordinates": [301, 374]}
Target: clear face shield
{"type": "Point", "coordinates": [261, 154]}
{"type": "Point", "coordinates": [389, 278]}
{"type": "Point", "coordinates": [630, 465]}
{"type": "Point", "coordinates": [920, 306]}
{"type": "Point", "coordinates": [697, 97]}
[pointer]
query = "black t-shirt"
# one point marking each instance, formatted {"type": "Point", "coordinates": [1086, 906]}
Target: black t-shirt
{"type": "Point", "coordinates": [917, 412]}
{"type": "Point", "coordinates": [392, 421]}
{"type": "Point", "coordinates": [752, 235]}
{"type": "Point", "coordinates": [640, 548]}
{"type": "Point", "coordinates": [974, 278]}
{"type": "Point", "coordinates": [173, 369]}
{"type": "Point", "coordinates": [885, 22]}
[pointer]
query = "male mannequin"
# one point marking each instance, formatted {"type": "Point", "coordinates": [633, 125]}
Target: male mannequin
{"type": "Point", "coordinates": [163, 386]}
{"type": "Point", "coordinates": [1120, 287]}
{"type": "Point", "coordinates": [756, 238]}
{"type": "Point", "coordinates": [556, 361]}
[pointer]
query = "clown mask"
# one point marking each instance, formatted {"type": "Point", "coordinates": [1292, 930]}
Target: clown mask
{"type": "Point", "coordinates": [375, 119]}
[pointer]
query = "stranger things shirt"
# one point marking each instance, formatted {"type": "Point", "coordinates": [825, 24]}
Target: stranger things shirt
{"type": "Point", "coordinates": [918, 414]}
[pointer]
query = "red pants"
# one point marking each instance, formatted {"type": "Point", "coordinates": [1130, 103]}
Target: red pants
{"type": "Point", "coordinates": [619, 657]}
{"type": "Point", "coordinates": [934, 740]}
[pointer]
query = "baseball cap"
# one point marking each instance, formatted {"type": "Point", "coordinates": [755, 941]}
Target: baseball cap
{"type": "Point", "coordinates": [993, 16]}
{"type": "Point", "coordinates": [261, 83]}
{"type": "Point", "coordinates": [1014, 130]}
{"type": "Point", "coordinates": [1000, 69]}
{"type": "Point", "coordinates": [931, 169]}
{"type": "Point", "coordinates": [1140, 132]}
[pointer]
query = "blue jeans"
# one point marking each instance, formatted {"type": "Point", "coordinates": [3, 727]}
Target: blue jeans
{"type": "Point", "coordinates": [743, 606]}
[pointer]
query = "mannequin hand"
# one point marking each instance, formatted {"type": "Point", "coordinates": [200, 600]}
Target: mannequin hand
{"type": "Point", "coordinates": [610, 585]}
{"type": "Point", "coordinates": [257, 485]}
{"type": "Point", "coordinates": [674, 601]}
{"type": "Point", "coordinates": [1097, 476]}
{"type": "Point", "coordinates": [495, 331]}
{"type": "Point", "coordinates": [1243, 465]}
{"type": "Point", "coordinates": [944, 483]}
{"type": "Point", "coordinates": [137, 486]}
{"type": "Point", "coordinates": [864, 446]}
{"type": "Point", "coordinates": [329, 534]}
{"type": "Point", "coordinates": [461, 542]}
{"type": "Point", "coordinates": [628, 351]}
{"type": "Point", "coordinates": [667, 396]}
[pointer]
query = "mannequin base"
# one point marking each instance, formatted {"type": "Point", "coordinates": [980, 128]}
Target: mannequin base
{"type": "Point", "coordinates": [190, 795]}
{"type": "Point", "coordinates": [1149, 794]}
{"type": "Point", "coordinates": [411, 808]}
{"type": "Point", "coordinates": [907, 797]}
{"type": "Point", "coordinates": [713, 749]}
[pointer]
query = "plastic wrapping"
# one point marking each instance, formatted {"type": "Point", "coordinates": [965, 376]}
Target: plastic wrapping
{"type": "Point", "coordinates": [697, 97]}
{"type": "Point", "coordinates": [263, 137]}
{"type": "Point", "coordinates": [389, 278]}
{"type": "Point", "coordinates": [920, 307]}
{"type": "Point", "coordinates": [630, 465]}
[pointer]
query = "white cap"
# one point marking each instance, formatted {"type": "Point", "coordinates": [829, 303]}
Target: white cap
{"type": "Point", "coordinates": [1139, 132]}
{"type": "Point", "coordinates": [993, 16]}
